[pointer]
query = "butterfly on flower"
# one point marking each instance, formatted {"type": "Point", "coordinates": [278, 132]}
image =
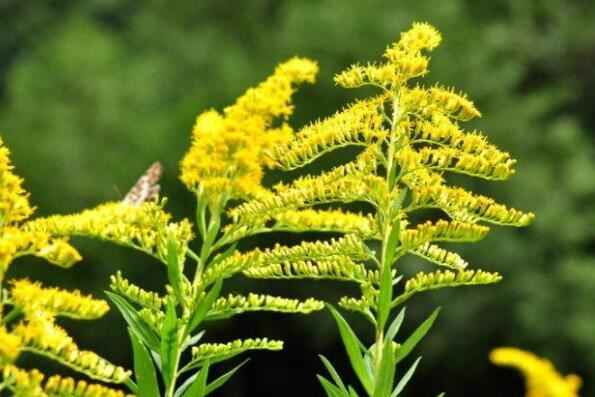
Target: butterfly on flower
{"type": "Point", "coordinates": [147, 187]}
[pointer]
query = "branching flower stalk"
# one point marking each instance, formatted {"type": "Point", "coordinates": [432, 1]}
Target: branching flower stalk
{"type": "Point", "coordinates": [223, 167]}
{"type": "Point", "coordinates": [28, 311]}
{"type": "Point", "coordinates": [410, 138]}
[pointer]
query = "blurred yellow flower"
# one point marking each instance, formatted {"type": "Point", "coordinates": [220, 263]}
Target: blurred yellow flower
{"type": "Point", "coordinates": [541, 377]}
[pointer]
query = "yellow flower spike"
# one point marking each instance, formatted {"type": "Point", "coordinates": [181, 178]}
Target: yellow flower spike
{"type": "Point", "coordinates": [358, 125]}
{"type": "Point", "coordinates": [421, 36]}
{"type": "Point", "coordinates": [211, 351]}
{"type": "Point", "coordinates": [14, 202]}
{"type": "Point", "coordinates": [24, 383]}
{"type": "Point", "coordinates": [37, 332]}
{"type": "Point", "coordinates": [429, 101]}
{"type": "Point", "coordinates": [228, 150]}
{"type": "Point", "coordinates": [327, 220]}
{"type": "Point", "coordinates": [56, 301]}
{"type": "Point", "coordinates": [542, 379]}
{"type": "Point", "coordinates": [40, 335]}
{"type": "Point", "coordinates": [59, 386]}
{"type": "Point", "coordinates": [146, 227]}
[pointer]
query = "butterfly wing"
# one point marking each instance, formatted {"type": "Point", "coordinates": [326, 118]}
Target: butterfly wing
{"type": "Point", "coordinates": [146, 188]}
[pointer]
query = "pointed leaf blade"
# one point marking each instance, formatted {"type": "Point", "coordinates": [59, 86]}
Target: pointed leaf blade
{"type": "Point", "coordinates": [169, 343]}
{"type": "Point", "coordinates": [330, 389]}
{"type": "Point", "coordinates": [405, 379]}
{"type": "Point", "coordinates": [203, 307]}
{"type": "Point", "coordinates": [143, 368]}
{"type": "Point", "coordinates": [220, 381]}
{"type": "Point", "coordinates": [141, 329]}
{"type": "Point", "coordinates": [352, 347]}
{"type": "Point", "coordinates": [333, 372]}
{"type": "Point", "coordinates": [174, 272]}
{"type": "Point", "coordinates": [415, 337]}
{"type": "Point", "coordinates": [199, 387]}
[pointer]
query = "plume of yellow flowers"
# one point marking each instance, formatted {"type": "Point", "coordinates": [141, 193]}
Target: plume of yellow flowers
{"type": "Point", "coordinates": [542, 379]}
{"type": "Point", "coordinates": [227, 154]}
{"type": "Point", "coordinates": [410, 137]}
{"type": "Point", "coordinates": [29, 324]}
{"type": "Point", "coordinates": [146, 227]}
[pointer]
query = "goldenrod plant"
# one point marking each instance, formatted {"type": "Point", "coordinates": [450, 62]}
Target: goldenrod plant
{"type": "Point", "coordinates": [410, 137]}
{"type": "Point", "coordinates": [28, 310]}
{"type": "Point", "coordinates": [223, 167]}
{"type": "Point", "coordinates": [542, 378]}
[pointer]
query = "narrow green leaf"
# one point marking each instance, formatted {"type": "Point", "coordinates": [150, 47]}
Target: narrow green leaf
{"type": "Point", "coordinates": [192, 340]}
{"type": "Point", "coordinates": [144, 332]}
{"type": "Point", "coordinates": [386, 372]}
{"type": "Point", "coordinates": [174, 271]}
{"type": "Point", "coordinates": [353, 349]}
{"type": "Point", "coordinates": [395, 325]}
{"type": "Point", "coordinates": [405, 379]}
{"type": "Point", "coordinates": [333, 372]}
{"type": "Point", "coordinates": [220, 381]}
{"type": "Point", "coordinates": [201, 218]}
{"type": "Point", "coordinates": [330, 389]}
{"type": "Point", "coordinates": [184, 386]}
{"type": "Point", "coordinates": [441, 394]}
{"type": "Point", "coordinates": [352, 392]}
{"type": "Point", "coordinates": [393, 240]}
{"type": "Point", "coordinates": [157, 359]}
{"type": "Point", "coordinates": [398, 203]}
{"type": "Point", "coordinates": [143, 368]}
{"type": "Point", "coordinates": [133, 387]}
{"type": "Point", "coordinates": [385, 297]}
{"type": "Point", "coordinates": [169, 343]}
{"type": "Point", "coordinates": [369, 363]}
{"type": "Point", "coordinates": [200, 312]}
{"type": "Point", "coordinates": [415, 337]}
{"type": "Point", "coordinates": [199, 387]}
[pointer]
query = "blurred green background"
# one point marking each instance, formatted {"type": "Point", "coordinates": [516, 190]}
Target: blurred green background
{"type": "Point", "coordinates": [92, 92]}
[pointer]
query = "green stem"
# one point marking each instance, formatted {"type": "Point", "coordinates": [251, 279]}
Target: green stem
{"type": "Point", "coordinates": [14, 313]}
{"type": "Point", "coordinates": [386, 259]}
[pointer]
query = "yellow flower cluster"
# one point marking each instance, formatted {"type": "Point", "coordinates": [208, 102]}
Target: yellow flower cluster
{"type": "Point", "coordinates": [542, 379]}
{"type": "Point", "coordinates": [360, 124]}
{"type": "Point", "coordinates": [15, 239]}
{"type": "Point", "coordinates": [41, 335]}
{"type": "Point", "coordinates": [38, 306]}
{"type": "Point", "coordinates": [442, 231]}
{"type": "Point", "coordinates": [146, 227]}
{"type": "Point", "coordinates": [10, 346]}
{"type": "Point", "coordinates": [412, 137]}
{"type": "Point", "coordinates": [228, 150]}
{"type": "Point", "coordinates": [14, 203]}
{"type": "Point", "coordinates": [326, 220]}
{"type": "Point", "coordinates": [404, 61]}
{"type": "Point", "coordinates": [235, 304]}
{"type": "Point", "coordinates": [207, 351]}
{"type": "Point", "coordinates": [30, 384]}
{"type": "Point", "coordinates": [32, 297]}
